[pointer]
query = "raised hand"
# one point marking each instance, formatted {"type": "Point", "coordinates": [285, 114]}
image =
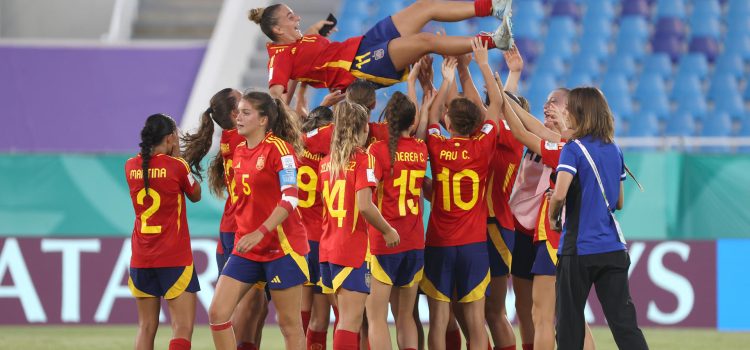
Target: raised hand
{"type": "Point", "coordinates": [513, 59]}
{"type": "Point", "coordinates": [464, 60]}
{"type": "Point", "coordinates": [332, 98]}
{"type": "Point", "coordinates": [480, 51]}
{"type": "Point", "coordinates": [449, 69]}
{"type": "Point", "coordinates": [315, 28]}
{"type": "Point", "coordinates": [416, 69]}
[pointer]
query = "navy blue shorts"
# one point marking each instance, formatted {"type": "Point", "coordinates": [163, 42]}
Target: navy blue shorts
{"type": "Point", "coordinates": [545, 261]}
{"type": "Point", "coordinates": [313, 262]}
{"type": "Point", "coordinates": [463, 269]}
{"type": "Point", "coordinates": [285, 272]}
{"type": "Point", "coordinates": [333, 277]}
{"type": "Point", "coordinates": [372, 61]}
{"type": "Point", "coordinates": [400, 269]}
{"type": "Point", "coordinates": [523, 256]}
{"type": "Point", "coordinates": [226, 239]}
{"type": "Point", "coordinates": [500, 246]}
{"type": "Point", "coordinates": [167, 282]}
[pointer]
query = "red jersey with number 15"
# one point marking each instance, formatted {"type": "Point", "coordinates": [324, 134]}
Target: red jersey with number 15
{"type": "Point", "coordinates": [460, 166]}
{"type": "Point", "coordinates": [344, 241]}
{"type": "Point", "coordinates": [258, 189]}
{"type": "Point", "coordinates": [399, 193]}
{"type": "Point", "coordinates": [229, 141]}
{"type": "Point", "coordinates": [160, 234]}
{"type": "Point", "coordinates": [314, 60]}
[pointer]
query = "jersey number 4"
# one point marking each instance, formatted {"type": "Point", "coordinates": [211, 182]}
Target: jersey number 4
{"type": "Point", "coordinates": [334, 198]}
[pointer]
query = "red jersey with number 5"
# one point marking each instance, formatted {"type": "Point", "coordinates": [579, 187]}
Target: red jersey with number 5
{"type": "Point", "coordinates": [229, 141]}
{"type": "Point", "coordinates": [258, 188]}
{"type": "Point", "coordinates": [460, 167]}
{"type": "Point", "coordinates": [344, 241]}
{"type": "Point", "coordinates": [399, 193]}
{"type": "Point", "coordinates": [160, 234]}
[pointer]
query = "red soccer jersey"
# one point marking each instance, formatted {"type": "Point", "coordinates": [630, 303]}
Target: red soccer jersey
{"type": "Point", "coordinates": [313, 60]}
{"type": "Point", "coordinates": [398, 195]}
{"type": "Point", "coordinates": [160, 234]}
{"type": "Point", "coordinates": [258, 189]}
{"type": "Point", "coordinates": [229, 141]}
{"type": "Point", "coordinates": [310, 204]}
{"type": "Point", "coordinates": [551, 158]}
{"type": "Point", "coordinates": [344, 241]}
{"type": "Point", "coordinates": [459, 168]}
{"type": "Point", "coordinates": [504, 167]}
{"type": "Point", "coordinates": [319, 140]}
{"type": "Point", "coordinates": [378, 132]}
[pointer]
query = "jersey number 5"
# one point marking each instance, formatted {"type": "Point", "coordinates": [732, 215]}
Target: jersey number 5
{"type": "Point", "coordinates": [409, 177]}
{"type": "Point", "coordinates": [145, 228]}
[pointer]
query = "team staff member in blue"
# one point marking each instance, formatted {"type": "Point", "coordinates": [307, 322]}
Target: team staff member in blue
{"type": "Point", "coordinates": [592, 249]}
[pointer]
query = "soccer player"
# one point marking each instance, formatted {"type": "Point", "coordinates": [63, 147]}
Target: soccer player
{"type": "Point", "coordinates": [592, 249]}
{"type": "Point", "coordinates": [456, 258]}
{"type": "Point", "coordinates": [161, 264]}
{"type": "Point", "coordinates": [381, 56]}
{"type": "Point", "coordinates": [400, 166]}
{"type": "Point", "coordinates": [249, 317]}
{"type": "Point", "coordinates": [346, 178]}
{"type": "Point", "coordinates": [271, 242]}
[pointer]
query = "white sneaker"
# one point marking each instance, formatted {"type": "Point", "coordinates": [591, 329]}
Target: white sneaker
{"type": "Point", "coordinates": [503, 37]}
{"type": "Point", "coordinates": [502, 8]}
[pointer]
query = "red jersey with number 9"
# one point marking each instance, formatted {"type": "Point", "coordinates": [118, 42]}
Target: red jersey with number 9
{"type": "Point", "coordinates": [229, 141]}
{"type": "Point", "coordinates": [258, 189]}
{"type": "Point", "coordinates": [310, 202]}
{"type": "Point", "coordinates": [399, 193]}
{"type": "Point", "coordinates": [460, 166]}
{"type": "Point", "coordinates": [344, 241]}
{"type": "Point", "coordinates": [160, 234]}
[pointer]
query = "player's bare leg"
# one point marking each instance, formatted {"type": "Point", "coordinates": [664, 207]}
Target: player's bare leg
{"type": "Point", "coordinates": [406, 50]}
{"type": "Point", "coordinates": [543, 312]}
{"type": "Point", "coordinates": [414, 17]}
{"type": "Point", "coordinates": [226, 296]}
{"type": "Point", "coordinates": [439, 315]}
{"type": "Point", "coordinates": [287, 303]}
{"type": "Point", "coordinates": [406, 329]}
{"type": "Point", "coordinates": [377, 315]}
{"type": "Point", "coordinates": [474, 315]}
{"type": "Point", "coordinates": [523, 291]}
{"type": "Point", "coordinates": [148, 322]}
{"type": "Point", "coordinates": [497, 317]}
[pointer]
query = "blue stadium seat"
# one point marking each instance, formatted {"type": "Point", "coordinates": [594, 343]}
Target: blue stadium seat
{"type": "Point", "coordinates": [598, 48]}
{"type": "Point", "coordinates": [693, 64]}
{"type": "Point", "coordinates": [635, 8]}
{"type": "Point", "coordinates": [539, 87]}
{"type": "Point", "coordinates": [710, 8]}
{"type": "Point", "coordinates": [671, 26]}
{"type": "Point", "coordinates": [671, 45]}
{"type": "Point", "coordinates": [620, 104]}
{"type": "Point", "coordinates": [737, 43]}
{"type": "Point", "coordinates": [670, 8]}
{"type": "Point", "coordinates": [631, 46]}
{"type": "Point", "coordinates": [585, 65]}
{"type": "Point", "coordinates": [680, 124]}
{"type": "Point", "coordinates": [704, 26]}
{"type": "Point", "coordinates": [599, 9]}
{"type": "Point", "coordinates": [456, 28]}
{"type": "Point", "coordinates": [722, 84]}
{"type": "Point", "coordinates": [575, 80]}
{"type": "Point", "coordinates": [717, 124]}
{"type": "Point", "coordinates": [708, 46]}
{"type": "Point", "coordinates": [562, 48]}
{"type": "Point", "coordinates": [659, 64]}
{"type": "Point", "coordinates": [747, 94]}
{"type": "Point", "coordinates": [531, 8]}
{"type": "Point", "coordinates": [623, 64]}
{"type": "Point", "coordinates": [737, 23]}
{"type": "Point", "coordinates": [615, 84]}
{"type": "Point", "coordinates": [633, 26]}
{"type": "Point", "coordinates": [596, 28]}
{"type": "Point", "coordinates": [561, 28]}
{"type": "Point", "coordinates": [526, 29]}
{"type": "Point", "coordinates": [566, 8]}
{"type": "Point", "coordinates": [739, 7]}
{"type": "Point", "coordinates": [644, 125]}
{"type": "Point", "coordinates": [687, 92]}
{"type": "Point", "coordinates": [657, 104]}
{"type": "Point", "coordinates": [649, 86]}
{"type": "Point", "coordinates": [387, 8]}
{"type": "Point", "coordinates": [549, 63]}
{"type": "Point", "coordinates": [529, 49]}
{"type": "Point", "coordinates": [354, 8]}
{"type": "Point", "coordinates": [730, 64]}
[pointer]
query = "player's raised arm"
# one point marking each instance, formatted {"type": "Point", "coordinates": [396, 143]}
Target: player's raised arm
{"type": "Point", "coordinates": [467, 84]}
{"type": "Point", "coordinates": [493, 90]}
{"type": "Point", "coordinates": [515, 64]}
{"type": "Point", "coordinates": [449, 76]}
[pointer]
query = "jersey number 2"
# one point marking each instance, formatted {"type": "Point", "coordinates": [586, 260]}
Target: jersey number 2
{"type": "Point", "coordinates": [145, 228]}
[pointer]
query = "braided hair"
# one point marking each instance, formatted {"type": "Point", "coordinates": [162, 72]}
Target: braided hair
{"type": "Point", "coordinates": [157, 127]}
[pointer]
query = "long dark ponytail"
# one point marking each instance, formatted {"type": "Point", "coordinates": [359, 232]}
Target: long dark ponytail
{"type": "Point", "coordinates": [197, 145]}
{"type": "Point", "coordinates": [399, 113]}
{"type": "Point", "coordinates": [157, 127]}
{"type": "Point", "coordinates": [318, 117]}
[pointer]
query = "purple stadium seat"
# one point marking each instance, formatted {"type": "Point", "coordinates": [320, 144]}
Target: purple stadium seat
{"type": "Point", "coordinates": [635, 8]}
{"type": "Point", "coordinates": [705, 45]}
{"type": "Point", "coordinates": [671, 26]}
{"type": "Point", "coordinates": [668, 44]}
{"type": "Point", "coordinates": [566, 8]}
{"type": "Point", "coordinates": [528, 48]}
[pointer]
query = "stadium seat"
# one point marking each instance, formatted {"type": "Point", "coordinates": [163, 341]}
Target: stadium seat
{"type": "Point", "coordinates": [354, 8]}
{"type": "Point", "coordinates": [562, 48]}
{"type": "Point", "coordinates": [599, 9]}
{"type": "Point", "coordinates": [635, 8]}
{"type": "Point", "coordinates": [549, 64]}
{"type": "Point", "coordinates": [737, 43]}
{"type": "Point", "coordinates": [578, 80]}
{"type": "Point", "coordinates": [539, 87]}
{"type": "Point", "coordinates": [737, 23]}
{"type": "Point", "coordinates": [659, 64]}
{"type": "Point", "coordinates": [597, 28]}
{"type": "Point", "coordinates": [529, 49]}
{"type": "Point", "coordinates": [710, 8]}
{"type": "Point", "coordinates": [739, 7]}
{"type": "Point", "coordinates": [705, 45]}
{"type": "Point", "coordinates": [526, 29]}
{"type": "Point", "coordinates": [670, 8]}
{"type": "Point", "coordinates": [668, 44]}
{"type": "Point", "coordinates": [631, 46]}
{"type": "Point", "coordinates": [693, 64]}
{"type": "Point", "coordinates": [585, 65]}
{"type": "Point", "coordinates": [456, 28]}
{"type": "Point", "coordinates": [657, 104]}
{"type": "Point", "coordinates": [620, 104]}
{"type": "Point", "coordinates": [623, 64]}
{"type": "Point", "coordinates": [704, 26]}
{"type": "Point", "coordinates": [671, 26]}
{"type": "Point", "coordinates": [680, 124]}
{"type": "Point", "coordinates": [730, 64]}
{"type": "Point", "coordinates": [644, 125]}
{"type": "Point", "coordinates": [687, 93]}
{"type": "Point", "coordinates": [633, 26]}
{"type": "Point", "coordinates": [529, 8]}
{"type": "Point", "coordinates": [562, 28]}
{"type": "Point", "coordinates": [598, 48]}
{"type": "Point", "coordinates": [387, 8]}
{"type": "Point", "coordinates": [722, 84]}
{"type": "Point", "coordinates": [566, 8]}
{"type": "Point", "coordinates": [717, 124]}
{"type": "Point", "coordinates": [615, 84]}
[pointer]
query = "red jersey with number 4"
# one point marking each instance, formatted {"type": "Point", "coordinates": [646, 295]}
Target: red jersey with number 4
{"type": "Point", "coordinates": [344, 241]}
{"type": "Point", "coordinates": [258, 190]}
{"type": "Point", "coordinates": [504, 167]}
{"type": "Point", "coordinates": [460, 167]}
{"type": "Point", "coordinates": [399, 193]}
{"type": "Point", "coordinates": [314, 60]}
{"type": "Point", "coordinates": [160, 234]}
{"type": "Point", "coordinates": [229, 141]}
{"type": "Point", "coordinates": [310, 201]}
{"type": "Point", "coordinates": [551, 158]}
{"type": "Point", "coordinates": [319, 140]}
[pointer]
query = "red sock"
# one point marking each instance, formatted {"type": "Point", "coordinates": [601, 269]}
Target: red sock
{"type": "Point", "coordinates": [482, 8]}
{"type": "Point", "coordinates": [527, 346]}
{"type": "Point", "coordinates": [179, 344]}
{"type": "Point", "coordinates": [305, 320]}
{"type": "Point", "coordinates": [345, 340]}
{"type": "Point", "coordinates": [509, 347]}
{"type": "Point", "coordinates": [453, 340]}
{"type": "Point", "coordinates": [487, 39]}
{"type": "Point", "coordinates": [316, 340]}
{"type": "Point", "coordinates": [246, 346]}
{"type": "Point", "coordinates": [336, 321]}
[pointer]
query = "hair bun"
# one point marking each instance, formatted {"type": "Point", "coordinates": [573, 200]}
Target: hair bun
{"type": "Point", "coordinates": [256, 14]}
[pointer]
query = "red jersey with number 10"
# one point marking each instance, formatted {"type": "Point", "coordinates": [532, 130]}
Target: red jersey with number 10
{"type": "Point", "coordinates": [460, 166]}
{"type": "Point", "coordinates": [399, 193]}
{"type": "Point", "coordinates": [160, 234]}
{"type": "Point", "coordinates": [229, 141]}
{"type": "Point", "coordinates": [344, 241]}
{"type": "Point", "coordinates": [314, 60]}
{"type": "Point", "coordinates": [258, 189]}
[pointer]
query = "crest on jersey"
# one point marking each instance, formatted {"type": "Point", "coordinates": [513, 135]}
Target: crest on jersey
{"type": "Point", "coordinates": [379, 53]}
{"type": "Point", "coordinates": [261, 162]}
